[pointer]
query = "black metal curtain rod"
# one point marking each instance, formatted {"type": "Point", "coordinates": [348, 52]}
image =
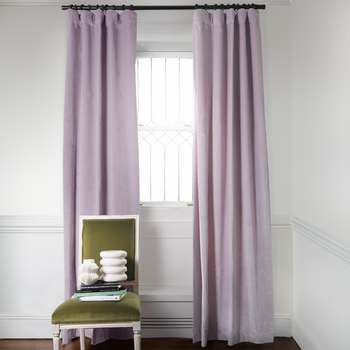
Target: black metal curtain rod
{"type": "Point", "coordinates": [160, 7]}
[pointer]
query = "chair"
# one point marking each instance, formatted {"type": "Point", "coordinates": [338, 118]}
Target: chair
{"type": "Point", "coordinates": [99, 233]}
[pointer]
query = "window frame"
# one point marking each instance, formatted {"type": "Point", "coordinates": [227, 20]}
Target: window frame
{"type": "Point", "coordinates": [164, 54]}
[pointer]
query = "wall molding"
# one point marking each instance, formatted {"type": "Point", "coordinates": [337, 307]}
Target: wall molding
{"type": "Point", "coordinates": [328, 242]}
{"type": "Point", "coordinates": [31, 224]}
{"type": "Point", "coordinates": [24, 317]}
{"type": "Point", "coordinates": [281, 222]}
{"type": "Point", "coordinates": [20, 224]}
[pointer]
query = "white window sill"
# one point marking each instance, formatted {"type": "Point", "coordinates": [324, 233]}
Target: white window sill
{"type": "Point", "coordinates": [166, 204]}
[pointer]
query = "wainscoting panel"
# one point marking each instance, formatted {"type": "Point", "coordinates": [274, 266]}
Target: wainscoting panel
{"type": "Point", "coordinates": [321, 289]}
{"type": "Point", "coordinates": [31, 247]}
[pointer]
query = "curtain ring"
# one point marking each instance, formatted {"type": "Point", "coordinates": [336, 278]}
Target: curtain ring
{"type": "Point", "coordinates": [215, 6]}
{"type": "Point", "coordinates": [90, 8]}
{"type": "Point", "coordinates": [205, 7]}
{"type": "Point", "coordinates": [123, 7]}
{"type": "Point", "coordinates": [196, 6]}
{"type": "Point", "coordinates": [132, 7]}
{"type": "Point", "coordinates": [82, 7]}
{"type": "Point", "coordinates": [222, 7]}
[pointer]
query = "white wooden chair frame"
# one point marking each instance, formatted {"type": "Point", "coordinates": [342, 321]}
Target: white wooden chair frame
{"type": "Point", "coordinates": [136, 326]}
{"type": "Point", "coordinates": [56, 328]}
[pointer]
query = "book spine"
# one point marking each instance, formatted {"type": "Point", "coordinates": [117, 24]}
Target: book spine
{"type": "Point", "coordinates": [95, 294]}
{"type": "Point", "coordinates": [103, 298]}
{"type": "Point", "coordinates": [99, 287]}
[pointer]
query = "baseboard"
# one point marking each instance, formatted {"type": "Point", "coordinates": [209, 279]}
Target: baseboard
{"type": "Point", "coordinates": [303, 337]}
{"type": "Point", "coordinates": [283, 325]}
{"type": "Point", "coordinates": [39, 327]}
{"type": "Point", "coordinates": [25, 327]}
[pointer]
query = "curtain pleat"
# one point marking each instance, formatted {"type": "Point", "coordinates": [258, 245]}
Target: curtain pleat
{"type": "Point", "coordinates": [233, 297]}
{"type": "Point", "coordinates": [100, 170]}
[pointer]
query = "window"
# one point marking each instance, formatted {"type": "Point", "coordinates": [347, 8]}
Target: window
{"type": "Point", "coordinates": [164, 97]}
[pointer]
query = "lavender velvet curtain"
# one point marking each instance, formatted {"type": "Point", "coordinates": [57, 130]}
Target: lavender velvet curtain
{"type": "Point", "coordinates": [101, 172]}
{"type": "Point", "coordinates": [233, 295]}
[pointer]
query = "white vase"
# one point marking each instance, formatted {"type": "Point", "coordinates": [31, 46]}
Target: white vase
{"type": "Point", "coordinates": [113, 265]}
{"type": "Point", "coordinates": [87, 272]}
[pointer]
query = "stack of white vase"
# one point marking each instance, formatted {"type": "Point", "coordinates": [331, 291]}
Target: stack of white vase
{"type": "Point", "coordinates": [87, 272]}
{"type": "Point", "coordinates": [113, 265]}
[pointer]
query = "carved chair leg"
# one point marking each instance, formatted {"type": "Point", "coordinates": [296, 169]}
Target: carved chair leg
{"type": "Point", "coordinates": [56, 337]}
{"type": "Point", "coordinates": [82, 339]}
{"type": "Point", "coordinates": [137, 336]}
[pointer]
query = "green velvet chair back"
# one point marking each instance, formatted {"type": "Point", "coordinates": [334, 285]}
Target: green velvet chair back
{"type": "Point", "coordinates": [98, 233]}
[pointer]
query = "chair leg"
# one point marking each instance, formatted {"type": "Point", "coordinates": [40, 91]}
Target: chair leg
{"type": "Point", "coordinates": [137, 335]}
{"type": "Point", "coordinates": [56, 337]}
{"type": "Point", "coordinates": [82, 339]}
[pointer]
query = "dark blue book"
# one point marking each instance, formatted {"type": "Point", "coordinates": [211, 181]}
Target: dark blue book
{"type": "Point", "coordinates": [100, 286]}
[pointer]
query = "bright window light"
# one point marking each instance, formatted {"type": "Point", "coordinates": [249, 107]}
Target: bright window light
{"type": "Point", "coordinates": [164, 96]}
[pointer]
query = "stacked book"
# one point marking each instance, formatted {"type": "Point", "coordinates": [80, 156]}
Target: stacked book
{"type": "Point", "coordinates": [101, 291]}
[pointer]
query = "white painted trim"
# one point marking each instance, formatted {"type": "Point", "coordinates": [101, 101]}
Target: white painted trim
{"type": "Point", "coordinates": [281, 222]}
{"type": "Point", "coordinates": [36, 224]}
{"type": "Point", "coordinates": [283, 325]}
{"type": "Point", "coordinates": [283, 316]}
{"type": "Point", "coordinates": [303, 337]}
{"type": "Point", "coordinates": [21, 317]}
{"type": "Point", "coordinates": [160, 327]}
{"type": "Point", "coordinates": [164, 54]}
{"type": "Point", "coordinates": [332, 244]}
{"type": "Point", "coordinates": [31, 224]}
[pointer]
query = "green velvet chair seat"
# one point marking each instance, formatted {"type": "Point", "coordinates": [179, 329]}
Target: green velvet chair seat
{"type": "Point", "coordinates": [74, 311]}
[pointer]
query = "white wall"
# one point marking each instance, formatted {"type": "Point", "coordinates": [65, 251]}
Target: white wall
{"type": "Point", "coordinates": [321, 173]}
{"type": "Point", "coordinates": [32, 74]}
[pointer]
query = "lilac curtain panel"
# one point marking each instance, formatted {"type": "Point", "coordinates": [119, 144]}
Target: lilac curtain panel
{"type": "Point", "coordinates": [101, 171]}
{"type": "Point", "coordinates": [233, 293]}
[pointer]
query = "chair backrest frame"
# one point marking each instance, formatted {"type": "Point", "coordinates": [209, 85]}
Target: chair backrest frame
{"type": "Point", "coordinates": [135, 282]}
